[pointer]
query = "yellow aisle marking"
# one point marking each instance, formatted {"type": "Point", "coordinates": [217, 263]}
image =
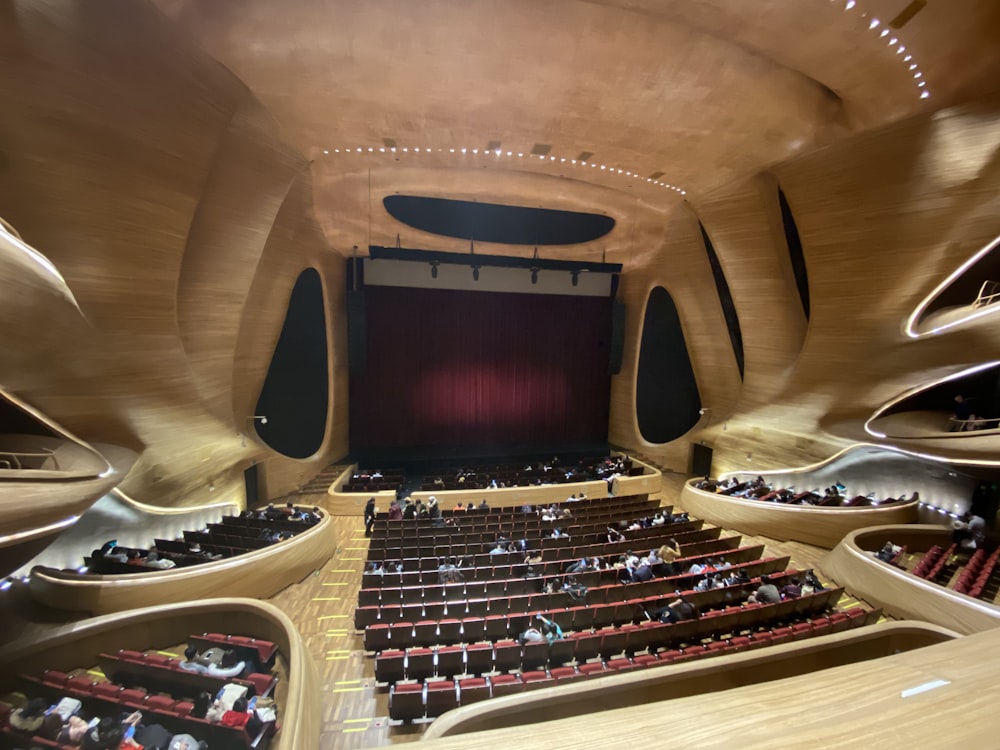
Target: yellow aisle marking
{"type": "Point", "coordinates": [326, 598]}
{"type": "Point", "coordinates": [336, 583]}
{"type": "Point", "coordinates": [356, 721]}
{"type": "Point", "coordinates": [96, 672]}
{"type": "Point", "coordinates": [328, 617]}
{"type": "Point", "coordinates": [353, 729]}
{"type": "Point", "coordinates": [350, 558]}
{"type": "Point", "coordinates": [348, 690]}
{"type": "Point", "coordinates": [350, 682]}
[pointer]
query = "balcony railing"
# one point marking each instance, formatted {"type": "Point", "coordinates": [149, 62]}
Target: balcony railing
{"type": "Point", "coordinates": [989, 293]}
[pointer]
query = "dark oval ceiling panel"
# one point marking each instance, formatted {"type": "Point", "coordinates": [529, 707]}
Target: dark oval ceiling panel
{"type": "Point", "coordinates": [492, 222]}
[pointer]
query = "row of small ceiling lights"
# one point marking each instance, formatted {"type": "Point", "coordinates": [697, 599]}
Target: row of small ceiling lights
{"type": "Point", "coordinates": [892, 39]}
{"type": "Point", "coordinates": [519, 154]}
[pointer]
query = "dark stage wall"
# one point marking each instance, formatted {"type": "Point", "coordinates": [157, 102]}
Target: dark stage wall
{"type": "Point", "coordinates": [467, 369]}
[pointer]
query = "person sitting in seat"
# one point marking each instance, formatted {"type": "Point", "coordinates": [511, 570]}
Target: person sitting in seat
{"type": "Point", "coordinates": [212, 661]}
{"type": "Point", "coordinates": [643, 572]}
{"type": "Point", "coordinates": [29, 717]}
{"type": "Point", "coordinates": [576, 590]}
{"type": "Point", "coordinates": [792, 589]}
{"type": "Point", "coordinates": [614, 535]}
{"type": "Point", "coordinates": [888, 552]}
{"type": "Point", "coordinates": [766, 593]}
{"type": "Point", "coordinates": [153, 560]}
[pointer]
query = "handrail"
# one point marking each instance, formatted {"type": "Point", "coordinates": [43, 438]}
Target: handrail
{"type": "Point", "coordinates": [989, 293]}
{"type": "Point", "coordinates": [44, 453]}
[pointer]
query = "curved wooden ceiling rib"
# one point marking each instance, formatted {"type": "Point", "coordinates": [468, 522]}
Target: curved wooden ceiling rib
{"type": "Point", "coordinates": [229, 230]}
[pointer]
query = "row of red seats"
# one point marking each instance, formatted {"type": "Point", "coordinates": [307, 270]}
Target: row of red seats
{"type": "Point", "coordinates": [164, 670]}
{"type": "Point", "coordinates": [497, 518]}
{"type": "Point", "coordinates": [551, 548]}
{"type": "Point", "coordinates": [514, 582]}
{"type": "Point", "coordinates": [977, 573]}
{"type": "Point", "coordinates": [410, 701]}
{"type": "Point", "coordinates": [520, 595]}
{"type": "Point", "coordinates": [584, 644]}
{"type": "Point", "coordinates": [702, 542]}
{"type": "Point", "coordinates": [493, 627]}
{"type": "Point", "coordinates": [483, 525]}
{"type": "Point", "coordinates": [104, 698]}
{"type": "Point", "coordinates": [931, 564]}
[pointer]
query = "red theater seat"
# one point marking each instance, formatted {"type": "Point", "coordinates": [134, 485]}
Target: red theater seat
{"type": "Point", "coordinates": [441, 697]}
{"type": "Point", "coordinates": [406, 701]}
{"type": "Point", "coordinates": [473, 690]}
{"type": "Point", "coordinates": [506, 684]}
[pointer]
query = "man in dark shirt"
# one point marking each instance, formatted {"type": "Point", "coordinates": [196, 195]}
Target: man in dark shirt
{"type": "Point", "coordinates": [643, 572]}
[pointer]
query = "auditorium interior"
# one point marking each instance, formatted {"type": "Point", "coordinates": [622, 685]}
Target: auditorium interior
{"type": "Point", "coordinates": [729, 262]}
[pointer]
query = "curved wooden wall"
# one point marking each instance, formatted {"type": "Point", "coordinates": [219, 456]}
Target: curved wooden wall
{"type": "Point", "coordinates": [652, 685]}
{"type": "Point", "coordinates": [824, 527]}
{"type": "Point", "coordinates": [162, 207]}
{"type": "Point", "coordinates": [924, 191]}
{"type": "Point", "coordinates": [920, 698]}
{"type": "Point", "coordinates": [902, 594]}
{"type": "Point", "coordinates": [77, 645]}
{"type": "Point", "coordinates": [260, 574]}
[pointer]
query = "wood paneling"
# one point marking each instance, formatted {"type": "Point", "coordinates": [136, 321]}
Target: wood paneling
{"type": "Point", "coordinates": [824, 527]}
{"type": "Point", "coordinates": [852, 564]}
{"type": "Point", "coordinates": [872, 700]}
{"type": "Point", "coordinates": [260, 573]}
{"type": "Point", "coordinates": [655, 685]}
{"type": "Point", "coordinates": [178, 216]}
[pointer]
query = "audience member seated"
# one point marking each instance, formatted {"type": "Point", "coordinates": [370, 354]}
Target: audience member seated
{"type": "Point", "coordinates": [30, 716]}
{"type": "Point", "coordinates": [767, 593]}
{"type": "Point", "coordinates": [792, 589]}
{"type": "Point", "coordinates": [214, 661]}
{"type": "Point", "coordinates": [888, 552]}
{"type": "Point", "coordinates": [576, 590]}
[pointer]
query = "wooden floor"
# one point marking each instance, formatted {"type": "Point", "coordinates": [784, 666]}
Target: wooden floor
{"type": "Point", "coordinates": [355, 712]}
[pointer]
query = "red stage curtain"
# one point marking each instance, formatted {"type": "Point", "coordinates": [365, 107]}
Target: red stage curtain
{"type": "Point", "coordinates": [463, 369]}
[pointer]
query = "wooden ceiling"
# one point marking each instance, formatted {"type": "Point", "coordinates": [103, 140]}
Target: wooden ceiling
{"type": "Point", "coordinates": [702, 92]}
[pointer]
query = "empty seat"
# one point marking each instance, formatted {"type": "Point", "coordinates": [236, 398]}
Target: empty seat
{"type": "Point", "coordinates": [419, 663]}
{"type": "Point", "coordinates": [441, 697]}
{"type": "Point", "coordinates": [449, 631]}
{"type": "Point", "coordinates": [450, 661]}
{"type": "Point", "coordinates": [535, 655]}
{"type": "Point", "coordinates": [406, 701]}
{"type": "Point", "coordinates": [478, 658]}
{"type": "Point", "coordinates": [535, 679]}
{"type": "Point", "coordinates": [390, 666]}
{"type": "Point", "coordinates": [507, 656]}
{"type": "Point", "coordinates": [506, 684]}
{"type": "Point", "coordinates": [472, 629]}
{"type": "Point", "coordinates": [565, 674]}
{"type": "Point", "coordinates": [377, 637]}
{"type": "Point", "coordinates": [472, 690]}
